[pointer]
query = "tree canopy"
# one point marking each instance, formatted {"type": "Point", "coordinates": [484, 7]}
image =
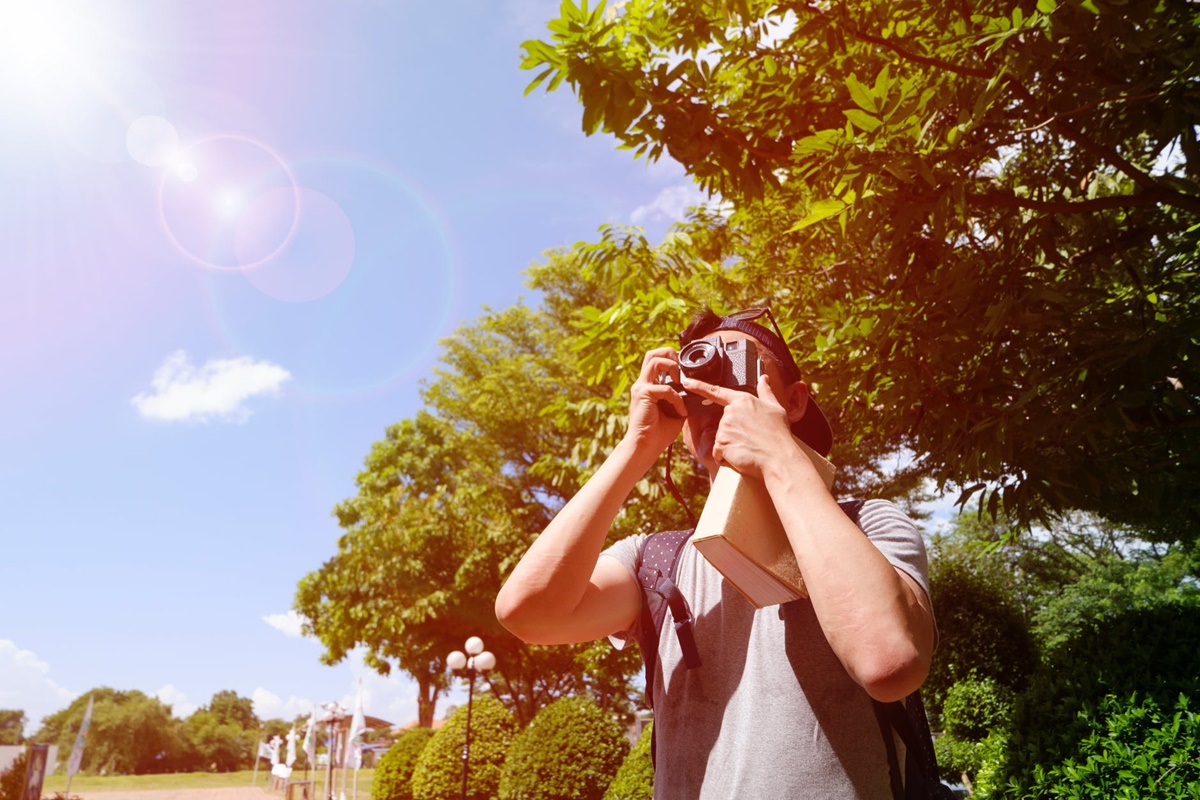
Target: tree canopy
{"type": "Point", "coordinates": [980, 220]}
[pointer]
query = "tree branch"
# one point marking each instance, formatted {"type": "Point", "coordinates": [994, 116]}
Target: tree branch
{"type": "Point", "coordinates": [1150, 197]}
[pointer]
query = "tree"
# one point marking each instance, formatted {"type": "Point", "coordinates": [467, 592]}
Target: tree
{"type": "Point", "coordinates": [447, 502]}
{"type": "Point", "coordinates": [216, 745]}
{"type": "Point", "coordinates": [130, 733]}
{"type": "Point", "coordinates": [12, 726]}
{"type": "Point", "coordinates": [988, 213]}
{"type": "Point", "coordinates": [572, 749]}
{"type": "Point", "coordinates": [228, 708]}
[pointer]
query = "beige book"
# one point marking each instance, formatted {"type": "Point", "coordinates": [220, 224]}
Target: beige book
{"type": "Point", "coordinates": [740, 534]}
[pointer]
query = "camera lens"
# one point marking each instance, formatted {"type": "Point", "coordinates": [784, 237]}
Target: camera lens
{"type": "Point", "coordinates": [700, 360]}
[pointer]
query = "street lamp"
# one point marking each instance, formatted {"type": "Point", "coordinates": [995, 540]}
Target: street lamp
{"type": "Point", "coordinates": [475, 660]}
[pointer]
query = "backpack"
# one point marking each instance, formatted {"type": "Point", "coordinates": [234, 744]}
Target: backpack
{"type": "Point", "coordinates": [657, 562]}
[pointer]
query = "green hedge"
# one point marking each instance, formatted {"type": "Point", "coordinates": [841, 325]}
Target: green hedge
{"type": "Point", "coordinates": [570, 751]}
{"type": "Point", "coordinates": [393, 775]}
{"type": "Point", "coordinates": [1133, 750]}
{"type": "Point", "coordinates": [438, 773]}
{"type": "Point", "coordinates": [635, 778]}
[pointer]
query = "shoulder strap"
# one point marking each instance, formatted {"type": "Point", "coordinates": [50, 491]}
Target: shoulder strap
{"type": "Point", "coordinates": [657, 563]}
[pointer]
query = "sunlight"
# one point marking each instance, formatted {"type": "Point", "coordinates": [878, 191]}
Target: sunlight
{"type": "Point", "coordinates": [42, 45]}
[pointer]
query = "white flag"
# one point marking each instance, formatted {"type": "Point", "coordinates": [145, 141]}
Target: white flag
{"type": "Point", "coordinates": [310, 739]}
{"type": "Point", "coordinates": [291, 749]}
{"type": "Point", "coordinates": [77, 751]}
{"type": "Point", "coordinates": [355, 755]}
{"type": "Point", "coordinates": [358, 724]}
{"type": "Point", "coordinates": [264, 751]}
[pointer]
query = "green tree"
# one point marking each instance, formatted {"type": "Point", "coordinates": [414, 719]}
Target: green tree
{"type": "Point", "coordinates": [635, 779]}
{"type": "Point", "coordinates": [570, 751]}
{"type": "Point", "coordinates": [217, 746]}
{"type": "Point", "coordinates": [447, 502]}
{"type": "Point", "coordinates": [12, 726]}
{"type": "Point", "coordinates": [130, 733]}
{"type": "Point", "coordinates": [229, 708]}
{"type": "Point", "coordinates": [438, 773]}
{"type": "Point", "coordinates": [393, 775]}
{"type": "Point", "coordinates": [988, 215]}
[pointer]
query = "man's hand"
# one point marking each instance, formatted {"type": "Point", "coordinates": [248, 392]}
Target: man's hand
{"type": "Point", "coordinates": [753, 430]}
{"type": "Point", "coordinates": [648, 425]}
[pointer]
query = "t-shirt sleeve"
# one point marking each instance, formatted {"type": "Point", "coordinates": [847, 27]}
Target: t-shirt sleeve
{"type": "Point", "coordinates": [626, 551]}
{"type": "Point", "coordinates": [897, 537]}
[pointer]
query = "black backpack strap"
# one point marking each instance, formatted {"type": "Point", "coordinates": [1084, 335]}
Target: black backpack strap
{"type": "Point", "coordinates": [656, 573]}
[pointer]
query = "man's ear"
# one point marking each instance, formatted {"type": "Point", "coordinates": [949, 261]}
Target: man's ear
{"type": "Point", "coordinates": [795, 400]}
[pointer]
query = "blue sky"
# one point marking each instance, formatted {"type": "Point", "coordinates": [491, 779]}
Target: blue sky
{"type": "Point", "coordinates": [232, 233]}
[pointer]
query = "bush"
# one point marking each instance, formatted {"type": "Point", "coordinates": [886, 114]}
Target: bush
{"type": "Point", "coordinates": [12, 780]}
{"type": "Point", "coordinates": [1133, 750]}
{"type": "Point", "coordinates": [570, 751]}
{"type": "Point", "coordinates": [1154, 652]}
{"type": "Point", "coordinates": [635, 778]}
{"type": "Point", "coordinates": [393, 775]}
{"type": "Point", "coordinates": [438, 772]}
{"type": "Point", "coordinates": [973, 711]}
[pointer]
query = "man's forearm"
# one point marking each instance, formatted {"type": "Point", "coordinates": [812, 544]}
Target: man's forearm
{"type": "Point", "coordinates": [871, 615]}
{"type": "Point", "coordinates": [542, 598]}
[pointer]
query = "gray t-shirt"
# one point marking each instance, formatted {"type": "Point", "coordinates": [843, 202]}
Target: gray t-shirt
{"type": "Point", "coordinates": [771, 713]}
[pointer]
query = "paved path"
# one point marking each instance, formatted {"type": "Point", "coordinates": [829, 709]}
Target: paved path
{"type": "Point", "coordinates": [232, 793]}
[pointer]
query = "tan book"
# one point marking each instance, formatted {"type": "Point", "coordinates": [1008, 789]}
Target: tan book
{"type": "Point", "coordinates": [740, 534]}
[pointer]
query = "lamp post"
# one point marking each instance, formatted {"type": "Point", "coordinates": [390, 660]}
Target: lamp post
{"type": "Point", "coordinates": [475, 660]}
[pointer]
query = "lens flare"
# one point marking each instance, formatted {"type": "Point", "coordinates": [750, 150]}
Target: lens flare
{"type": "Point", "coordinates": [220, 205]}
{"type": "Point", "coordinates": [152, 141]}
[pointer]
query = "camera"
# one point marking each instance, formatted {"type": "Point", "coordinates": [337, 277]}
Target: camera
{"type": "Point", "coordinates": [733, 364]}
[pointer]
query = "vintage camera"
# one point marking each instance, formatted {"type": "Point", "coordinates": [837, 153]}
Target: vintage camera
{"type": "Point", "coordinates": [734, 364]}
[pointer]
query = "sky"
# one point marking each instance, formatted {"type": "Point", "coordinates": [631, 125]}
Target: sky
{"type": "Point", "coordinates": [231, 236]}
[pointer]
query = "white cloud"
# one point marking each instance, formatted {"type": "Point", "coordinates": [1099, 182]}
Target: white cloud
{"type": "Point", "coordinates": [289, 624]}
{"type": "Point", "coordinates": [671, 205]}
{"type": "Point", "coordinates": [268, 705]}
{"type": "Point", "coordinates": [25, 684]}
{"type": "Point", "coordinates": [218, 390]}
{"type": "Point", "coordinates": [180, 706]}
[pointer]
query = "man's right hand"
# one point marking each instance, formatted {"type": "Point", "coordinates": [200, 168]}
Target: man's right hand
{"type": "Point", "coordinates": [649, 427]}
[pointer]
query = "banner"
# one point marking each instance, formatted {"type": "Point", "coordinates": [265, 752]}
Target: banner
{"type": "Point", "coordinates": [35, 771]}
{"type": "Point", "coordinates": [310, 739]}
{"type": "Point", "coordinates": [80, 738]}
{"type": "Point", "coordinates": [357, 726]}
{"type": "Point", "coordinates": [264, 751]}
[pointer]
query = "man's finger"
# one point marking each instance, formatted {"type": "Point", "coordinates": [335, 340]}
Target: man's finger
{"type": "Point", "coordinates": [766, 391]}
{"type": "Point", "coordinates": [718, 394]}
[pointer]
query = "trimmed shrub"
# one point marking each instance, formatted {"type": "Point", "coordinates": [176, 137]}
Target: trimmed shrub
{"type": "Point", "coordinates": [570, 751]}
{"type": "Point", "coordinates": [1134, 749]}
{"type": "Point", "coordinates": [12, 780]}
{"type": "Point", "coordinates": [635, 778]}
{"type": "Point", "coordinates": [973, 710]}
{"type": "Point", "coordinates": [393, 775]}
{"type": "Point", "coordinates": [438, 772]}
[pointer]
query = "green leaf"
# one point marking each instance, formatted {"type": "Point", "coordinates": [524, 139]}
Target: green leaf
{"type": "Point", "coordinates": [822, 209]}
{"type": "Point", "coordinates": [861, 94]}
{"type": "Point", "coordinates": [862, 120]}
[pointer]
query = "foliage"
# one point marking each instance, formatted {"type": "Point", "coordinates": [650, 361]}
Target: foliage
{"type": "Point", "coordinates": [973, 711]}
{"type": "Point", "coordinates": [393, 775]}
{"type": "Point", "coordinates": [12, 779]}
{"type": "Point", "coordinates": [982, 633]}
{"type": "Point", "coordinates": [438, 772]}
{"type": "Point", "coordinates": [216, 746]}
{"type": "Point", "coordinates": [1152, 649]}
{"type": "Point", "coordinates": [229, 708]}
{"type": "Point", "coordinates": [983, 219]}
{"type": "Point", "coordinates": [12, 726]}
{"type": "Point", "coordinates": [1134, 749]}
{"type": "Point", "coordinates": [570, 751]}
{"type": "Point", "coordinates": [130, 733]}
{"type": "Point", "coordinates": [635, 779]}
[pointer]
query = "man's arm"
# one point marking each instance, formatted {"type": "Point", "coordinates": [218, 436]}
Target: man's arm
{"type": "Point", "coordinates": [562, 591]}
{"type": "Point", "coordinates": [876, 618]}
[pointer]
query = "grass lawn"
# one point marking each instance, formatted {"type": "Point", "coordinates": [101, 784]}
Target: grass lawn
{"type": "Point", "coordinates": [197, 780]}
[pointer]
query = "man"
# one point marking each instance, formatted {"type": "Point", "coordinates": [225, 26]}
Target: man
{"type": "Point", "coordinates": [781, 706]}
